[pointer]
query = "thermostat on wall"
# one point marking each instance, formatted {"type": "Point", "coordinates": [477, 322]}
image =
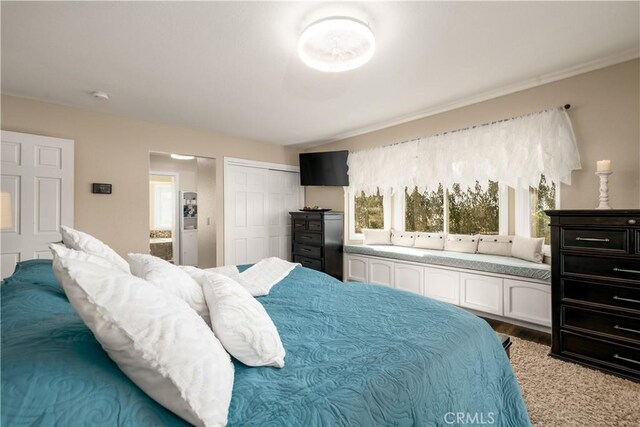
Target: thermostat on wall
{"type": "Point", "coordinates": [98, 188]}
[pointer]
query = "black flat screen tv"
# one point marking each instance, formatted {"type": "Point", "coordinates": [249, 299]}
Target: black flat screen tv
{"type": "Point", "coordinates": [328, 168]}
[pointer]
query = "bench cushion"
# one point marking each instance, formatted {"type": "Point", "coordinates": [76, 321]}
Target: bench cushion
{"type": "Point", "coordinates": [480, 262]}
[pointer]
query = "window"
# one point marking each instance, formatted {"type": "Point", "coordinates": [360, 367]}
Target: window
{"type": "Point", "coordinates": [369, 212]}
{"type": "Point", "coordinates": [424, 212]}
{"type": "Point", "coordinates": [474, 210]}
{"type": "Point", "coordinates": [541, 199]}
{"type": "Point", "coordinates": [163, 206]}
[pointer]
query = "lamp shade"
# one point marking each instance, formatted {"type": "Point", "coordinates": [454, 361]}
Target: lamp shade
{"type": "Point", "coordinates": [6, 220]}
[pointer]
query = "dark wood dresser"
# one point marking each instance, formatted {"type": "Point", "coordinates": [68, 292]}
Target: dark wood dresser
{"type": "Point", "coordinates": [317, 240]}
{"type": "Point", "coordinates": [595, 289]}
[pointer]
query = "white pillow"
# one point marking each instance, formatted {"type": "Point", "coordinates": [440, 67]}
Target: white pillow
{"type": "Point", "coordinates": [546, 254]}
{"type": "Point", "coordinates": [467, 243]}
{"type": "Point", "coordinates": [84, 242]}
{"type": "Point", "coordinates": [527, 248]}
{"type": "Point", "coordinates": [155, 339]}
{"type": "Point", "coordinates": [495, 245]}
{"type": "Point", "coordinates": [226, 270]}
{"type": "Point", "coordinates": [264, 275]}
{"type": "Point", "coordinates": [170, 278]}
{"type": "Point", "coordinates": [61, 251]}
{"type": "Point", "coordinates": [429, 240]}
{"type": "Point", "coordinates": [241, 323]}
{"type": "Point", "coordinates": [402, 238]}
{"type": "Point", "coordinates": [376, 237]}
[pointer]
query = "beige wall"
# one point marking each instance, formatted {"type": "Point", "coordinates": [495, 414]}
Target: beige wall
{"type": "Point", "coordinates": [605, 112]}
{"type": "Point", "coordinates": [187, 170]}
{"type": "Point", "coordinates": [115, 150]}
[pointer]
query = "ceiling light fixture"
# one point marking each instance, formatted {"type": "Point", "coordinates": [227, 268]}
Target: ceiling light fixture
{"type": "Point", "coordinates": [182, 157]}
{"type": "Point", "coordinates": [336, 44]}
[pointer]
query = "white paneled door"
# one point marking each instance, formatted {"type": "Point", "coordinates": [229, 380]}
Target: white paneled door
{"type": "Point", "coordinates": [37, 195]}
{"type": "Point", "coordinates": [257, 200]}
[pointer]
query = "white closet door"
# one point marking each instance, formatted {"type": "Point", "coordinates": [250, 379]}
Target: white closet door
{"type": "Point", "coordinates": [283, 197]}
{"type": "Point", "coordinates": [257, 202]}
{"type": "Point", "coordinates": [245, 211]}
{"type": "Point", "coordinates": [37, 174]}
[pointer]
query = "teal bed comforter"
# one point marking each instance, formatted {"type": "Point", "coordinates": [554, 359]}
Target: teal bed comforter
{"type": "Point", "coordinates": [357, 355]}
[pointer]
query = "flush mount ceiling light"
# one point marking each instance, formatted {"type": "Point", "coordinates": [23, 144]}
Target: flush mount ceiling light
{"type": "Point", "coordinates": [181, 157]}
{"type": "Point", "coordinates": [336, 44]}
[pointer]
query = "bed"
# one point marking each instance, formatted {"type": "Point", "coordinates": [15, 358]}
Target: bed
{"type": "Point", "coordinates": [357, 354]}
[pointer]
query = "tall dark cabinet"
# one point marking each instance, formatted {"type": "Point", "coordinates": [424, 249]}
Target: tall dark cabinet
{"type": "Point", "coordinates": [317, 240]}
{"type": "Point", "coordinates": [595, 289]}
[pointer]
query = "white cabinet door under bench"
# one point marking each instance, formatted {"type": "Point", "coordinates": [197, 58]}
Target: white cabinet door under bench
{"type": "Point", "coordinates": [357, 268]}
{"type": "Point", "coordinates": [441, 284]}
{"type": "Point", "coordinates": [527, 301]}
{"type": "Point", "coordinates": [409, 277]}
{"type": "Point", "coordinates": [483, 293]}
{"type": "Point", "coordinates": [381, 272]}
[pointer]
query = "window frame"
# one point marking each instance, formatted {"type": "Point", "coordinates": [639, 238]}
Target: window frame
{"type": "Point", "coordinates": [523, 209]}
{"type": "Point", "coordinates": [386, 214]}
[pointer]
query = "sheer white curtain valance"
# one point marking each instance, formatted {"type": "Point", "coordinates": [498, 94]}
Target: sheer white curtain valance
{"type": "Point", "coordinates": [514, 152]}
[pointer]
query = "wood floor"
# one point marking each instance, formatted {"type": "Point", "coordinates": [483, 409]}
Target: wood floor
{"type": "Point", "coordinates": [520, 332]}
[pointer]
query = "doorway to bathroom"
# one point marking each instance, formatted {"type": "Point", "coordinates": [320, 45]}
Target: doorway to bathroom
{"type": "Point", "coordinates": [182, 209]}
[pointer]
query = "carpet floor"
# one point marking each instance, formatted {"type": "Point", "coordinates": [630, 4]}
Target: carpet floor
{"type": "Point", "coordinates": [565, 394]}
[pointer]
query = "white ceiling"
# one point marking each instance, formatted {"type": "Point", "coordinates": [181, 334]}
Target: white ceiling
{"type": "Point", "coordinates": [232, 67]}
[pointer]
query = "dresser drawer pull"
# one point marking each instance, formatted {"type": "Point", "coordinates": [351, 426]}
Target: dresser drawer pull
{"type": "Point", "coordinates": [309, 237]}
{"type": "Point", "coordinates": [592, 239]}
{"type": "Point", "coordinates": [624, 270]}
{"type": "Point", "coordinates": [620, 328]}
{"type": "Point", "coordinates": [305, 249]}
{"type": "Point", "coordinates": [616, 356]}
{"type": "Point", "coordinates": [617, 298]}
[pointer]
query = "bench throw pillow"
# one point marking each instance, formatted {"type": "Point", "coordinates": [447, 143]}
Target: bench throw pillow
{"type": "Point", "coordinates": [74, 239]}
{"type": "Point", "coordinates": [155, 338]}
{"type": "Point", "coordinates": [495, 245]}
{"type": "Point", "coordinates": [429, 240]}
{"type": "Point", "coordinates": [402, 238]}
{"type": "Point", "coordinates": [527, 248]}
{"type": "Point", "coordinates": [467, 243]}
{"type": "Point", "coordinates": [376, 237]}
{"type": "Point", "coordinates": [241, 323]}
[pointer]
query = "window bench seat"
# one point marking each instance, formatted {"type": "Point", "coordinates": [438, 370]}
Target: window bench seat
{"type": "Point", "coordinates": [480, 262]}
{"type": "Point", "coordinates": [503, 288]}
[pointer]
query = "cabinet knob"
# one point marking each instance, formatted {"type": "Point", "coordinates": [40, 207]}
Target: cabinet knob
{"type": "Point", "coordinates": [632, 221]}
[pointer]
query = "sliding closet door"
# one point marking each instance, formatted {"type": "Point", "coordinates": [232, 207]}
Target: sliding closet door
{"type": "Point", "coordinates": [37, 195]}
{"type": "Point", "coordinates": [257, 201]}
{"type": "Point", "coordinates": [283, 189]}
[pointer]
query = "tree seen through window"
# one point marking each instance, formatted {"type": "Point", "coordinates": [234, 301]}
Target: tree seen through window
{"type": "Point", "coordinates": [541, 199]}
{"type": "Point", "coordinates": [474, 210]}
{"type": "Point", "coordinates": [424, 211]}
{"type": "Point", "coordinates": [369, 211]}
